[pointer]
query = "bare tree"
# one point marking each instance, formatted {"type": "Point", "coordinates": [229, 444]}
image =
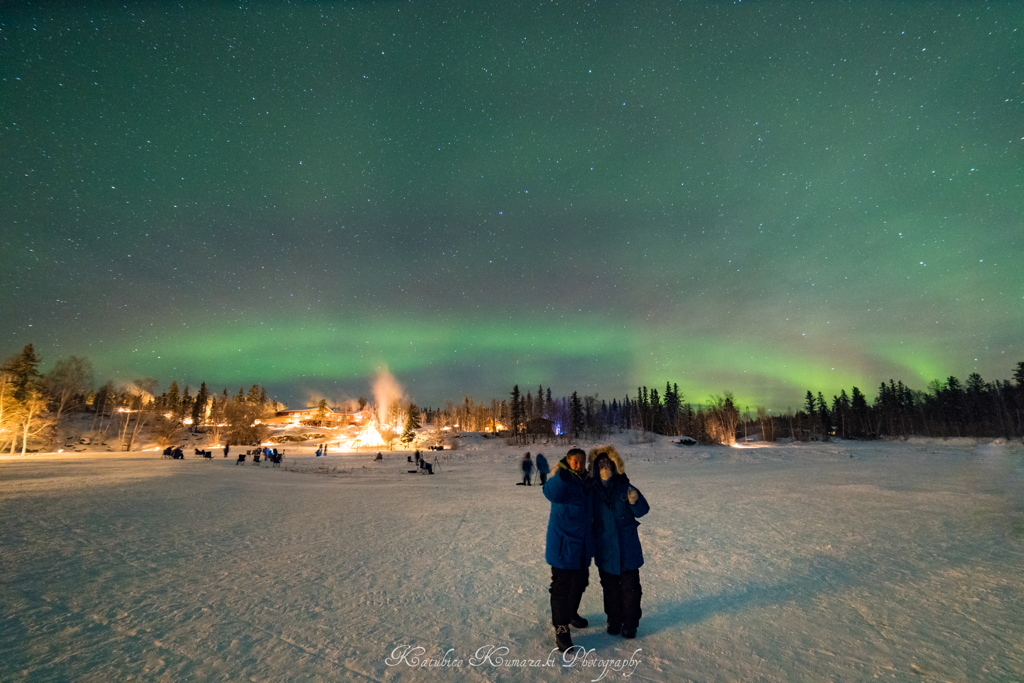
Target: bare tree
{"type": "Point", "coordinates": [142, 391]}
{"type": "Point", "coordinates": [70, 379]}
{"type": "Point", "coordinates": [33, 416]}
{"type": "Point", "coordinates": [722, 418]}
{"type": "Point", "coordinates": [10, 409]}
{"type": "Point", "coordinates": [218, 416]}
{"type": "Point", "coordinates": [767, 424]}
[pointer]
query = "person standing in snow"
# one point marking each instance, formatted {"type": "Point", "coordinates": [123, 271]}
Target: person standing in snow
{"type": "Point", "coordinates": [542, 468]}
{"type": "Point", "coordinates": [618, 555]}
{"type": "Point", "coordinates": [570, 543]}
{"type": "Point", "coordinates": [527, 469]}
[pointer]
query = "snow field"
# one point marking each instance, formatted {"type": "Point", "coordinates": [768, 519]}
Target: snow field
{"type": "Point", "coordinates": [782, 563]}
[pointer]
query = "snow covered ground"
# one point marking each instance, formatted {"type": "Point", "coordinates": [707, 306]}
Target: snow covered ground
{"type": "Point", "coordinates": [805, 562]}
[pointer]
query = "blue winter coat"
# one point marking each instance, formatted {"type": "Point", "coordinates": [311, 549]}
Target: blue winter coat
{"type": "Point", "coordinates": [570, 540]}
{"type": "Point", "coordinates": [615, 526]}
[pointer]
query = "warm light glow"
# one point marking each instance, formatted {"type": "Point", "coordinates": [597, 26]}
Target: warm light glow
{"type": "Point", "coordinates": [369, 437]}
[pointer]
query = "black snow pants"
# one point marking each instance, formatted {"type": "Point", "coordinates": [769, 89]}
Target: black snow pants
{"type": "Point", "coordinates": [567, 586]}
{"type": "Point", "coordinates": [622, 597]}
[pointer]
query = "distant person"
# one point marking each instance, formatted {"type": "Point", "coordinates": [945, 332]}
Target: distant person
{"type": "Point", "coordinates": [380, 456]}
{"type": "Point", "coordinates": [542, 468]}
{"type": "Point", "coordinates": [617, 554]}
{"type": "Point", "coordinates": [527, 469]}
{"type": "Point", "coordinates": [570, 543]}
{"type": "Point", "coordinates": [227, 447]}
{"type": "Point", "coordinates": [319, 450]}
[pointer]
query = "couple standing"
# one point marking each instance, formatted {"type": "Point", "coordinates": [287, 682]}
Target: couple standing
{"type": "Point", "coordinates": [593, 515]}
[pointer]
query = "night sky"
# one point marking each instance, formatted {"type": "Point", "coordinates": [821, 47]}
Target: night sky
{"type": "Point", "coordinates": [763, 198]}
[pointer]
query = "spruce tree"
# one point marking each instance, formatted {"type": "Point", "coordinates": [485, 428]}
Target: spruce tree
{"type": "Point", "coordinates": [516, 417]}
{"type": "Point", "coordinates": [576, 414]}
{"type": "Point", "coordinates": [172, 399]}
{"type": "Point", "coordinates": [859, 408]}
{"type": "Point", "coordinates": [25, 370]}
{"type": "Point", "coordinates": [824, 417]}
{"type": "Point", "coordinates": [199, 406]}
{"type": "Point", "coordinates": [412, 423]}
{"type": "Point", "coordinates": [186, 404]}
{"type": "Point", "coordinates": [809, 409]}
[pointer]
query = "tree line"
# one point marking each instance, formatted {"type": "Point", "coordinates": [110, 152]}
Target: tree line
{"type": "Point", "coordinates": [949, 408]}
{"type": "Point", "coordinates": [35, 406]}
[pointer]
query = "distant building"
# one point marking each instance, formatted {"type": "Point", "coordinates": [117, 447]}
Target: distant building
{"type": "Point", "coordinates": [540, 425]}
{"type": "Point", "coordinates": [492, 426]}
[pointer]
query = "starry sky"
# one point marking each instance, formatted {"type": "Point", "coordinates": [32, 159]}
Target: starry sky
{"type": "Point", "coordinates": [754, 197]}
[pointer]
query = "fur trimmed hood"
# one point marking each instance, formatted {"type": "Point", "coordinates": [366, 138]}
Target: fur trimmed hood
{"type": "Point", "coordinates": [612, 455]}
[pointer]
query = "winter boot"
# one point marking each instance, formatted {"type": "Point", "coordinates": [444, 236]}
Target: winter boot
{"type": "Point", "coordinates": [614, 629]}
{"type": "Point", "coordinates": [563, 641]}
{"type": "Point", "coordinates": [578, 622]}
{"type": "Point", "coordinates": [629, 632]}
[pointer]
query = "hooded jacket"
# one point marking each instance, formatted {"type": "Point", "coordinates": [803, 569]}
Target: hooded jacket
{"type": "Point", "coordinates": [617, 542]}
{"type": "Point", "coordinates": [570, 539]}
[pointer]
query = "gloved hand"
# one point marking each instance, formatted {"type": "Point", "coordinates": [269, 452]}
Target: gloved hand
{"type": "Point", "coordinates": [633, 496]}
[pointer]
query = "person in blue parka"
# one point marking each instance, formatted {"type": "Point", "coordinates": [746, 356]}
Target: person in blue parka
{"type": "Point", "coordinates": [570, 543]}
{"type": "Point", "coordinates": [618, 554]}
{"type": "Point", "coordinates": [542, 468]}
{"type": "Point", "coordinates": [527, 469]}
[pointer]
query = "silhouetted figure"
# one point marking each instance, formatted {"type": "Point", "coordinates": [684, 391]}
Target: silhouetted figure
{"type": "Point", "coordinates": [527, 469]}
{"type": "Point", "coordinates": [542, 468]}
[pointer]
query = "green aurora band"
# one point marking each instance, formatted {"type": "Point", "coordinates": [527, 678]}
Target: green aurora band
{"type": "Point", "coordinates": [762, 198]}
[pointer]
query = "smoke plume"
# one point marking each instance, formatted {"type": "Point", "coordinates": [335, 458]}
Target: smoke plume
{"type": "Point", "coordinates": [386, 392]}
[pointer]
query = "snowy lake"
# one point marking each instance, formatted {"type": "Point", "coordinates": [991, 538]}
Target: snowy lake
{"type": "Point", "coordinates": [842, 561]}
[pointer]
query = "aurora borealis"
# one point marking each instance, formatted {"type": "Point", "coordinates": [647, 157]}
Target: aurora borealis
{"type": "Point", "coordinates": [763, 198]}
